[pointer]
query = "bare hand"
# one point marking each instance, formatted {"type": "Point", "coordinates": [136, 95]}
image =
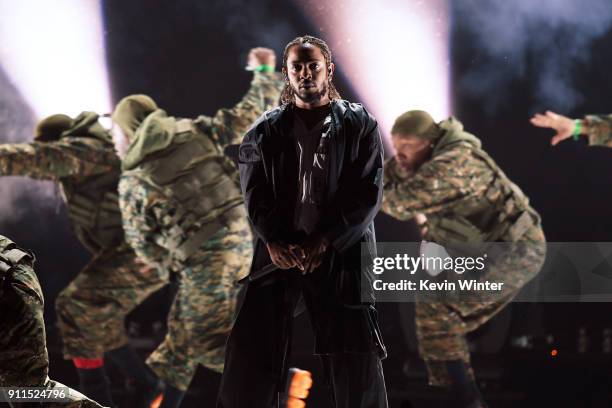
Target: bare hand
{"type": "Point", "coordinates": [314, 251]}
{"type": "Point", "coordinates": [563, 125]}
{"type": "Point", "coordinates": [261, 56]}
{"type": "Point", "coordinates": [284, 256]}
{"type": "Point", "coordinates": [421, 221]}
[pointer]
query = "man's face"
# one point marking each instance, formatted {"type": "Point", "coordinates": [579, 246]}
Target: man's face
{"type": "Point", "coordinates": [307, 73]}
{"type": "Point", "coordinates": [411, 151]}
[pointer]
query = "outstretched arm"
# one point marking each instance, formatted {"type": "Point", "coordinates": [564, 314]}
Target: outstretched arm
{"type": "Point", "coordinates": [228, 126]}
{"type": "Point", "coordinates": [54, 160]}
{"type": "Point", "coordinates": [438, 185]}
{"type": "Point", "coordinates": [598, 128]}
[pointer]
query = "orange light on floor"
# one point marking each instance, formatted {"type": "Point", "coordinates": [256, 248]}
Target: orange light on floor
{"type": "Point", "coordinates": [295, 403]}
{"type": "Point", "coordinates": [554, 352]}
{"type": "Point", "coordinates": [301, 382]}
{"type": "Point", "coordinates": [157, 401]}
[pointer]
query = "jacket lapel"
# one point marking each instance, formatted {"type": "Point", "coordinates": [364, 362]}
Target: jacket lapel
{"type": "Point", "coordinates": [337, 147]}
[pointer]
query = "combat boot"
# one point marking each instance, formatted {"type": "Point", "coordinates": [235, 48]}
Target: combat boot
{"type": "Point", "coordinates": [148, 387]}
{"type": "Point", "coordinates": [94, 383]}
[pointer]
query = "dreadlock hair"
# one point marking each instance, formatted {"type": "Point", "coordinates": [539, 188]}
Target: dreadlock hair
{"type": "Point", "coordinates": [288, 96]}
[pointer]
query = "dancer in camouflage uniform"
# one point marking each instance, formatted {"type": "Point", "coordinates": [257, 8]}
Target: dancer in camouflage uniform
{"type": "Point", "coordinates": [440, 171]}
{"type": "Point", "coordinates": [23, 352]}
{"type": "Point", "coordinates": [79, 155]}
{"type": "Point", "coordinates": [183, 212]}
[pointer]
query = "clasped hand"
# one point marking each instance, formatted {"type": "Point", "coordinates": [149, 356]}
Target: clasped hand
{"type": "Point", "coordinates": [306, 257]}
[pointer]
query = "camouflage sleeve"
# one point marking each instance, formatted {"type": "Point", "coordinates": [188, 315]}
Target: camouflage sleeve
{"type": "Point", "coordinates": [599, 130]}
{"type": "Point", "coordinates": [440, 184]}
{"type": "Point", "coordinates": [228, 126]}
{"type": "Point", "coordinates": [54, 160]}
{"type": "Point", "coordinates": [140, 205]}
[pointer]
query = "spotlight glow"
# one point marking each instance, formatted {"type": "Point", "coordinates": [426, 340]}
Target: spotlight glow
{"type": "Point", "coordinates": [53, 51]}
{"type": "Point", "coordinates": [395, 53]}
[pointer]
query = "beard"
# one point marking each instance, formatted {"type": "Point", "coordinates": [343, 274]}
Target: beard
{"type": "Point", "coordinates": [310, 95]}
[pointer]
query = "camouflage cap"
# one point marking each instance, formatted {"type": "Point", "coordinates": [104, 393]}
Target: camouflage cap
{"type": "Point", "coordinates": [52, 127]}
{"type": "Point", "coordinates": [416, 123]}
{"type": "Point", "coordinates": [131, 111]}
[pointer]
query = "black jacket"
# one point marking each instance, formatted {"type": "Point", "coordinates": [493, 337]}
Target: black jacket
{"type": "Point", "coordinates": [269, 179]}
{"type": "Point", "coordinates": [354, 179]}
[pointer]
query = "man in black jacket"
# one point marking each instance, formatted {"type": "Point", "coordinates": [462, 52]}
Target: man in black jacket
{"type": "Point", "coordinates": [311, 175]}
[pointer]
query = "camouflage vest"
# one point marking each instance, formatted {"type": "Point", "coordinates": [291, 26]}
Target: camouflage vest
{"type": "Point", "coordinates": [503, 214]}
{"type": "Point", "coordinates": [200, 183]}
{"type": "Point", "coordinates": [93, 205]}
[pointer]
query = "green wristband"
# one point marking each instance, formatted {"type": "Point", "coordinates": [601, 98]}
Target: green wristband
{"type": "Point", "coordinates": [577, 129]}
{"type": "Point", "coordinates": [264, 68]}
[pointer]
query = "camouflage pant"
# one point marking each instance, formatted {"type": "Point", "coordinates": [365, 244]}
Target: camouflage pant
{"type": "Point", "coordinates": [92, 309]}
{"type": "Point", "coordinates": [203, 311]}
{"type": "Point", "coordinates": [441, 327]}
{"type": "Point", "coordinates": [23, 353]}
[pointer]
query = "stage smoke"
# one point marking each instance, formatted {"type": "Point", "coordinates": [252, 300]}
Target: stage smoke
{"type": "Point", "coordinates": [18, 195]}
{"type": "Point", "coordinates": [393, 52]}
{"type": "Point", "coordinates": [52, 61]}
{"type": "Point", "coordinates": [521, 39]}
{"type": "Point", "coordinates": [53, 52]}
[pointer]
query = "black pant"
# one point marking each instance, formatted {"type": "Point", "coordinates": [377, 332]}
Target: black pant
{"type": "Point", "coordinates": [255, 359]}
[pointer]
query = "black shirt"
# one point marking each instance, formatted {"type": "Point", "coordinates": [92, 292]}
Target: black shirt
{"type": "Point", "coordinates": [309, 126]}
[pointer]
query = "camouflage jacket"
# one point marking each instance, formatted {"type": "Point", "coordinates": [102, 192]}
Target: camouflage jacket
{"type": "Point", "coordinates": [83, 161]}
{"type": "Point", "coordinates": [463, 193]}
{"type": "Point", "coordinates": [10, 256]}
{"type": "Point", "coordinates": [150, 219]}
{"type": "Point", "coordinates": [600, 130]}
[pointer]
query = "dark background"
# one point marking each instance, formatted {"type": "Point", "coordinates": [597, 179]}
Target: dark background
{"type": "Point", "coordinates": [190, 57]}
